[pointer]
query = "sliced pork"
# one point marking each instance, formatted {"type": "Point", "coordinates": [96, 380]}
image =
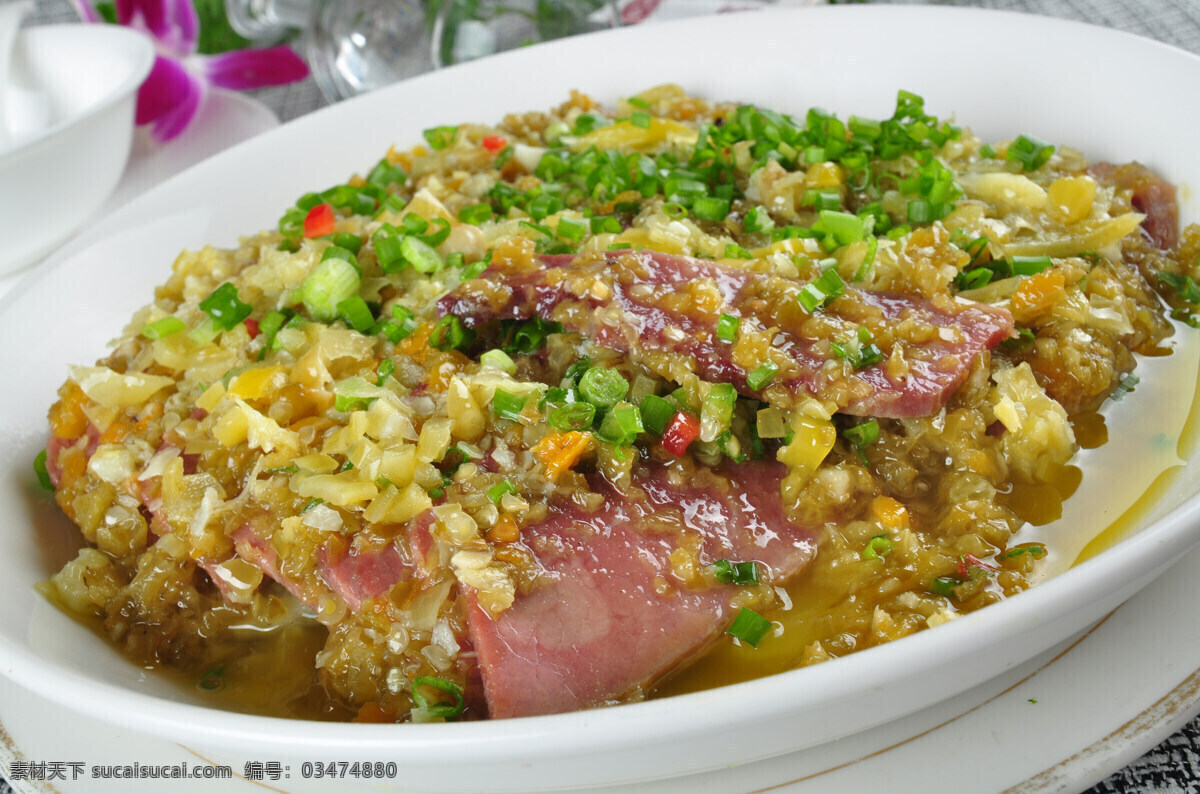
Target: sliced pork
{"type": "Point", "coordinates": [623, 599]}
{"type": "Point", "coordinates": [648, 303]}
{"type": "Point", "coordinates": [1152, 195]}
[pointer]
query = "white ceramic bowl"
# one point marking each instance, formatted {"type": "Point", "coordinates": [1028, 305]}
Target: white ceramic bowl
{"type": "Point", "coordinates": [846, 59]}
{"type": "Point", "coordinates": [72, 91]}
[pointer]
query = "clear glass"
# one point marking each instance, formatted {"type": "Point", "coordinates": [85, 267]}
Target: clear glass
{"type": "Point", "coordinates": [468, 29]}
{"type": "Point", "coordinates": [355, 46]}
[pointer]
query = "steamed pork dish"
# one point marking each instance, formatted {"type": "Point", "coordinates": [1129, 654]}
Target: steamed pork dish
{"type": "Point", "coordinates": [552, 414]}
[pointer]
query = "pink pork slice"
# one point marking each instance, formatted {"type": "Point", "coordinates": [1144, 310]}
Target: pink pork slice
{"type": "Point", "coordinates": [933, 376]}
{"type": "Point", "coordinates": [1152, 195]}
{"type": "Point", "coordinates": [356, 575]}
{"type": "Point", "coordinates": [608, 618]}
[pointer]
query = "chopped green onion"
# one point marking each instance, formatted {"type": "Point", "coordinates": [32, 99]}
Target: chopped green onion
{"type": "Point", "coordinates": [621, 425]}
{"type": "Point", "coordinates": [337, 252]}
{"type": "Point", "coordinates": [43, 474]}
{"type": "Point", "coordinates": [530, 336]}
{"type": "Point", "coordinates": [330, 283]}
{"type": "Point", "coordinates": [859, 352]}
{"type": "Point", "coordinates": [507, 405]}
{"type": "Point", "coordinates": [757, 219]}
{"type": "Point", "coordinates": [291, 225]}
{"type": "Point", "coordinates": [1031, 152]}
{"type": "Point", "coordinates": [1029, 265]}
{"type": "Point", "coordinates": [224, 307]}
{"type": "Point", "coordinates": [388, 252]}
{"type": "Point", "coordinates": [436, 238]}
{"type": "Point", "coordinates": [640, 119]}
{"type": "Point", "coordinates": [270, 325]}
{"type": "Point", "coordinates": [354, 394]}
{"type": "Point", "coordinates": [573, 416]}
{"type": "Point", "coordinates": [386, 368]}
{"type": "Point", "coordinates": [716, 412]}
{"type": "Point", "coordinates": [1024, 338]}
{"type": "Point", "coordinates": [944, 585]}
{"type": "Point", "coordinates": [921, 211]}
{"type": "Point", "coordinates": [350, 242]}
{"type": "Point", "coordinates": [1184, 286]}
{"type": "Point", "coordinates": [475, 214]}
{"type": "Point", "coordinates": [586, 123]}
{"type": "Point", "coordinates": [475, 269]}
{"type": "Point", "coordinates": [356, 313]}
{"type": "Point", "coordinates": [749, 627]}
{"type": "Point", "coordinates": [420, 255]}
{"type": "Point", "coordinates": [735, 251]}
{"type": "Point", "coordinates": [440, 137]}
{"type": "Point", "coordinates": [405, 320]}
{"type": "Point", "coordinates": [310, 504]}
{"type": "Point", "coordinates": [213, 680]}
{"type": "Point", "coordinates": [974, 278]}
{"type": "Point", "coordinates": [821, 291]}
{"type": "Point", "coordinates": [710, 208]}
{"type": "Point", "coordinates": [822, 200]}
{"type": "Point", "coordinates": [571, 229]}
{"type": "Point", "coordinates": [842, 227]}
{"type": "Point", "coordinates": [384, 174]}
{"type": "Point", "coordinates": [603, 387]}
{"type": "Point", "coordinates": [606, 224]}
{"type": "Point", "coordinates": [878, 547]}
{"type": "Point", "coordinates": [163, 327]}
{"type": "Point", "coordinates": [739, 573]}
{"type": "Point", "coordinates": [205, 332]}
{"type": "Point", "coordinates": [412, 223]}
{"type": "Point", "coordinates": [862, 435]}
{"type": "Point", "coordinates": [497, 491]}
{"type": "Point", "coordinates": [1186, 316]}
{"type": "Point", "coordinates": [556, 395]}
{"type": "Point", "coordinates": [1036, 550]}
{"type": "Point", "coordinates": [727, 328]}
{"type": "Point", "coordinates": [451, 334]}
{"type": "Point", "coordinates": [864, 127]}
{"type": "Point", "coordinates": [498, 359]}
{"type": "Point", "coordinates": [638, 102]}
{"type": "Point", "coordinates": [763, 375]}
{"type": "Point", "coordinates": [1126, 386]}
{"type": "Point", "coordinates": [442, 710]}
{"type": "Point", "coordinates": [656, 413]}
{"type": "Point", "coordinates": [987, 150]}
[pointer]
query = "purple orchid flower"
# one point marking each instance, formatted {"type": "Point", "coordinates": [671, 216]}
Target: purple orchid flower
{"type": "Point", "coordinates": [173, 92]}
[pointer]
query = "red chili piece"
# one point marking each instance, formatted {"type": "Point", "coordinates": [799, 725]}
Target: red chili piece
{"type": "Point", "coordinates": [968, 563]}
{"type": "Point", "coordinates": [494, 143]}
{"type": "Point", "coordinates": [681, 431]}
{"type": "Point", "coordinates": [252, 327]}
{"type": "Point", "coordinates": [319, 221]}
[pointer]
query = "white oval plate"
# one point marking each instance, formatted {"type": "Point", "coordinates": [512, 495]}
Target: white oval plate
{"type": "Point", "coordinates": [1042, 719]}
{"type": "Point", "coordinates": [850, 60]}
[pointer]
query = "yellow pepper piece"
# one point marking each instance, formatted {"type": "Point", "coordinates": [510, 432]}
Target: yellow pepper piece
{"type": "Point", "coordinates": [255, 383]}
{"type": "Point", "coordinates": [561, 451]}
{"type": "Point", "coordinates": [627, 135]}
{"type": "Point", "coordinates": [812, 440]}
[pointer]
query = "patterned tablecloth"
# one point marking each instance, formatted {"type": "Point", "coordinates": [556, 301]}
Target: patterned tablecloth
{"type": "Point", "coordinates": [1173, 766]}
